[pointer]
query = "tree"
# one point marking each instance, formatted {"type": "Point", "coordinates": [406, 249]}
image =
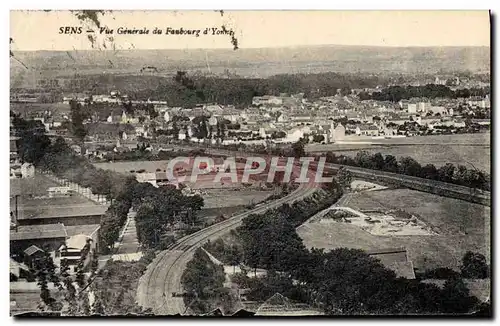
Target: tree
{"type": "Point", "coordinates": [344, 178]}
{"type": "Point", "coordinates": [446, 172]}
{"type": "Point", "coordinates": [318, 138]}
{"type": "Point", "coordinates": [474, 265]}
{"type": "Point", "coordinates": [409, 166]}
{"type": "Point", "coordinates": [298, 148]}
{"type": "Point", "coordinates": [390, 164]}
{"type": "Point", "coordinates": [77, 119]}
{"type": "Point", "coordinates": [429, 171]}
{"type": "Point", "coordinates": [456, 298]}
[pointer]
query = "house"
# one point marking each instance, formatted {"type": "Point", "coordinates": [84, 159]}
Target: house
{"type": "Point", "coordinates": [482, 122]}
{"type": "Point", "coordinates": [339, 132]}
{"type": "Point", "coordinates": [267, 100]}
{"type": "Point", "coordinates": [293, 135]}
{"type": "Point", "coordinates": [73, 249]}
{"type": "Point", "coordinates": [49, 236]}
{"type": "Point", "coordinates": [166, 117]}
{"type": "Point", "coordinates": [427, 121]}
{"type": "Point", "coordinates": [459, 123]}
{"type": "Point", "coordinates": [14, 149]}
{"type": "Point", "coordinates": [395, 259]}
{"type": "Point", "coordinates": [18, 270]}
{"type": "Point", "coordinates": [278, 305]}
{"type": "Point", "coordinates": [412, 108]}
{"type": "Point", "coordinates": [15, 171]}
{"type": "Point", "coordinates": [27, 170]}
{"type": "Point", "coordinates": [389, 130]}
{"type": "Point", "coordinates": [212, 121]}
{"type": "Point", "coordinates": [441, 110]}
{"type": "Point", "coordinates": [423, 107]}
{"type": "Point", "coordinates": [32, 254]}
{"type": "Point", "coordinates": [367, 130]}
{"type": "Point", "coordinates": [77, 149]}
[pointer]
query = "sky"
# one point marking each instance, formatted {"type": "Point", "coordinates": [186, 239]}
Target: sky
{"type": "Point", "coordinates": [39, 30]}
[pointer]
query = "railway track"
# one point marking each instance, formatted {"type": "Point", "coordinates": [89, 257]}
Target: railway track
{"type": "Point", "coordinates": [163, 276]}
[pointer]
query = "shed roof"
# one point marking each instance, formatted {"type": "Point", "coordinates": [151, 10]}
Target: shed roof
{"type": "Point", "coordinates": [31, 250]}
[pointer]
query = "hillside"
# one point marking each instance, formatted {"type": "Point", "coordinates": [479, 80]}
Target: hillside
{"type": "Point", "coordinates": [258, 62]}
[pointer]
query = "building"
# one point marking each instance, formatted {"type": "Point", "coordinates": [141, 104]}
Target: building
{"type": "Point", "coordinates": [27, 170]}
{"type": "Point", "coordinates": [14, 150]}
{"type": "Point", "coordinates": [83, 214]}
{"type": "Point", "coordinates": [423, 107]}
{"type": "Point", "coordinates": [32, 254]}
{"type": "Point", "coordinates": [367, 130]}
{"type": "Point", "coordinates": [278, 305]}
{"type": "Point", "coordinates": [73, 249]}
{"type": "Point", "coordinates": [18, 270]}
{"type": "Point", "coordinates": [339, 132]}
{"type": "Point", "coordinates": [267, 100]}
{"type": "Point", "coordinates": [50, 236]}
{"type": "Point", "coordinates": [441, 110]}
{"type": "Point", "coordinates": [412, 108]}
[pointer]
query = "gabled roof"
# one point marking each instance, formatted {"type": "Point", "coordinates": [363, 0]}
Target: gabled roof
{"type": "Point", "coordinates": [31, 250]}
{"type": "Point", "coordinates": [278, 305]}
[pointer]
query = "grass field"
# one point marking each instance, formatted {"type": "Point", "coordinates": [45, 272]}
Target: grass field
{"type": "Point", "coordinates": [451, 217]}
{"type": "Point", "coordinates": [27, 108]}
{"type": "Point", "coordinates": [228, 198]}
{"type": "Point", "coordinates": [126, 167]}
{"type": "Point", "coordinates": [438, 150]}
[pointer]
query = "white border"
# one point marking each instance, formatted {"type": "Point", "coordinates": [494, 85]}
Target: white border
{"type": "Point", "coordinates": [186, 4]}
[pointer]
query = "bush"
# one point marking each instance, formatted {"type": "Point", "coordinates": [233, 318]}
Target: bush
{"type": "Point", "coordinates": [441, 273]}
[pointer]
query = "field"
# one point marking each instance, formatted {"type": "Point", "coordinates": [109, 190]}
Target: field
{"type": "Point", "coordinates": [27, 108]}
{"type": "Point", "coordinates": [126, 167]}
{"type": "Point", "coordinates": [438, 150]}
{"type": "Point", "coordinates": [461, 226]}
{"type": "Point", "coordinates": [228, 198]}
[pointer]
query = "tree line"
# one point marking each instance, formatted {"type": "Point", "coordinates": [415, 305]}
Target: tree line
{"type": "Point", "coordinates": [449, 173]}
{"type": "Point", "coordinates": [460, 175]}
{"type": "Point", "coordinates": [342, 281]}
{"type": "Point", "coordinates": [187, 91]}
{"type": "Point", "coordinates": [430, 91]}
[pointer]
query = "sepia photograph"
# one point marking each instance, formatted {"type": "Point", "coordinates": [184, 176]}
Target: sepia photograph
{"type": "Point", "coordinates": [244, 163]}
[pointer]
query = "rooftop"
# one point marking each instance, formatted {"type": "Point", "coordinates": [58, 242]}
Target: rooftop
{"type": "Point", "coordinates": [60, 211]}
{"type": "Point", "coordinates": [278, 305]}
{"type": "Point", "coordinates": [77, 241]}
{"type": "Point", "coordinates": [32, 250]}
{"type": "Point", "coordinates": [50, 231]}
{"type": "Point", "coordinates": [34, 232]}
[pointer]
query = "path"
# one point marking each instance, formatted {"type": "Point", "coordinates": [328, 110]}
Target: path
{"type": "Point", "coordinates": [128, 247]}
